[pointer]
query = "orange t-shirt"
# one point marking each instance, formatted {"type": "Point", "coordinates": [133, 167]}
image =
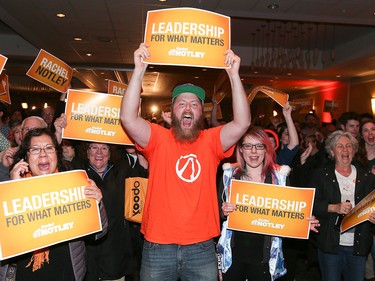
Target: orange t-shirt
{"type": "Point", "coordinates": [181, 202]}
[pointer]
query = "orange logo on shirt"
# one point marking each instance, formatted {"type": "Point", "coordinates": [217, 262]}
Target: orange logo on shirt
{"type": "Point", "coordinates": [188, 168]}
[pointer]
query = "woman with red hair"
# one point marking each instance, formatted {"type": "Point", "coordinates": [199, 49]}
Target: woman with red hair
{"type": "Point", "coordinates": [251, 252]}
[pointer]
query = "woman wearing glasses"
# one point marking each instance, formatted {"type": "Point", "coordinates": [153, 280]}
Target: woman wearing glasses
{"type": "Point", "coordinates": [40, 154]}
{"type": "Point", "coordinates": [250, 251]}
{"type": "Point", "coordinates": [340, 185]}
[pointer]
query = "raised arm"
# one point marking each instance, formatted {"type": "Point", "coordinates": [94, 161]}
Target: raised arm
{"type": "Point", "coordinates": [136, 127]}
{"type": "Point", "coordinates": [214, 122]}
{"type": "Point", "coordinates": [292, 131]}
{"type": "Point", "coordinates": [233, 131]}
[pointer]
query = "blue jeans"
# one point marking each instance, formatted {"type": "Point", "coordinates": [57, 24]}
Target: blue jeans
{"type": "Point", "coordinates": [195, 262]}
{"type": "Point", "coordinates": [343, 264]}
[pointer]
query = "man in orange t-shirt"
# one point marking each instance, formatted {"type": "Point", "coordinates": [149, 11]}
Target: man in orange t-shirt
{"type": "Point", "coordinates": [181, 215]}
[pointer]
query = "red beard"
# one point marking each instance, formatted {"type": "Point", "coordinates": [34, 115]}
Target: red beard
{"type": "Point", "coordinates": [186, 135]}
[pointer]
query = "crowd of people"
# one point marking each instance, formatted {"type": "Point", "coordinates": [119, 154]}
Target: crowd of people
{"type": "Point", "coordinates": [183, 212]}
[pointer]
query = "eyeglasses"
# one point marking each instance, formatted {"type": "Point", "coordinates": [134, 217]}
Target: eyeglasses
{"type": "Point", "coordinates": [341, 146]}
{"type": "Point", "coordinates": [249, 146]}
{"type": "Point", "coordinates": [103, 149]}
{"type": "Point", "coordinates": [35, 150]}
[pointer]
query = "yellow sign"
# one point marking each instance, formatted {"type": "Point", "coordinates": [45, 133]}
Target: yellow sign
{"type": "Point", "coordinates": [3, 61]}
{"type": "Point", "coordinates": [278, 96]}
{"type": "Point", "coordinates": [94, 117]}
{"type": "Point", "coordinates": [51, 71]}
{"type": "Point", "coordinates": [359, 213]}
{"type": "Point", "coordinates": [187, 36]}
{"type": "Point", "coordinates": [271, 209]}
{"type": "Point", "coordinates": [41, 211]}
{"type": "Point", "coordinates": [116, 88]}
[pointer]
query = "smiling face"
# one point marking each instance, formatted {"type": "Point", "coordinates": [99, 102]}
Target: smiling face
{"type": "Point", "coordinates": [368, 133]}
{"type": "Point", "coordinates": [98, 155]}
{"type": "Point", "coordinates": [187, 117]}
{"type": "Point", "coordinates": [253, 157]}
{"type": "Point", "coordinates": [343, 152]}
{"type": "Point", "coordinates": [17, 133]}
{"type": "Point", "coordinates": [352, 126]}
{"type": "Point", "coordinates": [42, 163]}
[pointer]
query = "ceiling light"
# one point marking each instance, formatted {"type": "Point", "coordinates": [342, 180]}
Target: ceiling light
{"type": "Point", "coordinates": [196, 77]}
{"type": "Point", "coordinates": [24, 105]}
{"type": "Point", "coordinates": [60, 15]}
{"type": "Point", "coordinates": [162, 0]}
{"type": "Point", "coordinates": [154, 108]}
{"type": "Point", "coordinates": [273, 6]}
{"type": "Point", "coordinates": [45, 105]}
{"type": "Point", "coordinates": [289, 74]}
{"type": "Point", "coordinates": [33, 107]}
{"type": "Point", "coordinates": [89, 54]}
{"type": "Point", "coordinates": [338, 76]}
{"type": "Point", "coordinates": [255, 72]}
{"type": "Point", "coordinates": [204, 69]}
{"type": "Point", "coordinates": [77, 39]}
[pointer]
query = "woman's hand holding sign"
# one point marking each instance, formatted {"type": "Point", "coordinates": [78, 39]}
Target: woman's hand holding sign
{"type": "Point", "coordinates": [314, 223]}
{"type": "Point", "coordinates": [92, 191]}
{"type": "Point", "coordinates": [227, 208]}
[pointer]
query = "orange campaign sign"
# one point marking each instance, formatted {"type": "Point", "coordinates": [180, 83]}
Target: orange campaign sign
{"type": "Point", "coordinates": [41, 211]}
{"type": "Point", "coordinates": [277, 95]}
{"type": "Point", "coordinates": [302, 106]}
{"type": "Point", "coordinates": [360, 213]}
{"type": "Point", "coordinates": [3, 61]}
{"type": "Point", "coordinates": [51, 71]}
{"type": "Point", "coordinates": [116, 88]}
{"type": "Point", "coordinates": [187, 36]}
{"type": "Point", "coordinates": [94, 117]}
{"type": "Point", "coordinates": [4, 88]}
{"type": "Point", "coordinates": [271, 209]}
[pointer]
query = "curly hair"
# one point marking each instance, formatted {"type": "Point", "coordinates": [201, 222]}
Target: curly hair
{"type": "Point", "coordinates": [334, 137]}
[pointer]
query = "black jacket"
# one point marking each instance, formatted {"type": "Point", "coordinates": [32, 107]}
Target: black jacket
{"type": "Point", "coordinates": [111, 257]}
{"type": "Point", "coordinates": [327, 192]}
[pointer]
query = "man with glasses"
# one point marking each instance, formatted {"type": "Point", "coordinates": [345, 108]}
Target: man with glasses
{"type": "Point", "coordinates": [181, 215]}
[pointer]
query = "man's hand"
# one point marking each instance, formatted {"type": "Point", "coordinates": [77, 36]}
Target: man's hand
{"type": "Point", "coordinates": [139, 54]}
{"type": "Point", "coordinates": [60, 124]}
{"type": "Point", "coordinates": [167, 117]}
{"type": "Point", "coordinates": [233, 61]}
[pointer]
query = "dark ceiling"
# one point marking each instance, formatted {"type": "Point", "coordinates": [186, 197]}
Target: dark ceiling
{"type": "Point", "coordinates": [300, 45]}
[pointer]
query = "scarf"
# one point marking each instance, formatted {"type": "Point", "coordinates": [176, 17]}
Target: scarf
{"type": "Point", "coordinates": [39, 256]}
